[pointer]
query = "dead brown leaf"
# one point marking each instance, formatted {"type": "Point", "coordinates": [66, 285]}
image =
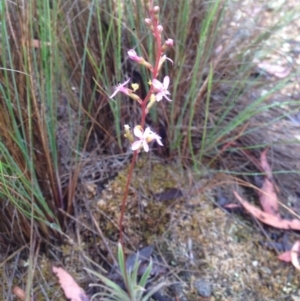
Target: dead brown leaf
{"type": "Point", "coordinates": [267, 168]}
{"type": "Point", "coordinates": [232, 206]}
{"type": "Point", "coordinates": [285, 256]}
{"type": "Point", "coordinates": [20, 293]}
{"type": "Point", "coordinates": [267, 218]}
{"type": "Point", "coordinates": [276, 70]}
{"type": "Point", "coordinates": [268, 198]}
{"type": "Point", "coordinates": [294, 254]}
{"type": "Point", "coordinates": [265, 164]}
{"type": "Point", "coordinates": [70, 287]}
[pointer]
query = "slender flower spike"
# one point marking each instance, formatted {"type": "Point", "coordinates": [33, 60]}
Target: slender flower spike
{"type": "Point", "coordinates": [121, 88]}
{"type": "Point", "coordinates": [144, 137]}
{"type": "Point", "coordinates": [161, 88]}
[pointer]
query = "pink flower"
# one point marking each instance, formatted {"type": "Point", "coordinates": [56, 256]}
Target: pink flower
{"type": "Point", "coordinates": [162, 88]}
{"type": "Point", "coordinates": [121, 88]}
{"type": "Point", "coordinates": [132, 54]}
{"type": "Point", "coordinates": [144, 138]}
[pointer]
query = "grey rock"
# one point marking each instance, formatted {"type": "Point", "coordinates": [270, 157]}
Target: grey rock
{"type": "Point", "coordinates": [203, 288]}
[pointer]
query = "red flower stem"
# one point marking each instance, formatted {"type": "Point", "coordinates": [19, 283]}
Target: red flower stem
{"type": "Point", "coordinates": [125, 196]}
{"type": "Point", "coordinates": [157, 36]}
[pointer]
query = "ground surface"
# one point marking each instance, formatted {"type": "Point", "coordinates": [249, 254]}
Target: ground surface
{"type": "Point", "coordinates": [207, 250]}
{"type": "Point", "coordinates": [208, 253]}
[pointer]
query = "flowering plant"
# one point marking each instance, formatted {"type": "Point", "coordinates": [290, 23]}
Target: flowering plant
{"type": "Point", "coordinates": [141, 136]}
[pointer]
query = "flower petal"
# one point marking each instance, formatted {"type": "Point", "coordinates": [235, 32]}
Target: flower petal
{"type": "Point", "coordinates": [166, 82]}
{"type": "Point", "coordinates": [131, 53]}
{"type": "Point", "coordinates": [158, 140]}
{"type": "Point", "coordinates": [136, 145]}
{"type": "Point", "coordinates": [166, 97]}
{"type": "Point", "coordinates": [147, 132]}
{"type": "Point", "coordinates": [145, 146]}
{"type": "Point", "coordinates": [114, 94]}
{"type": "Point", "coordinates": [156, 137]}
{"type": "Point", "coordinates": [120, 87]}
{"type": "Point", "coordinates": [158, 86]}
{"type": "Point", "coordinates": [159, 96]}
{"type": "Point", "coordinates": [138, 132]}
{"type": "Point", "coordinates": [169, 60]}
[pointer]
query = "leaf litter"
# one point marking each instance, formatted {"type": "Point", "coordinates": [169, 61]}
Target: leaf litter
{"type": "Point", "coordinates": [269, 214]}
{"type": "Point", "coordinates": [70, 287]}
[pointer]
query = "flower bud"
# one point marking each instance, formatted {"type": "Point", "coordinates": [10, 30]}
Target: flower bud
{"type": "Point", "coordinates": [132, 54]}
{"type": "Point", "coordinates": [149, 24]}
{"type": "Point", "coordinates": [148, 21]}
{"type": "Point", "coordinates": [160, 28]}
{"type": "Point", "coordinates": [169, 42]}
{"type": "Point", "coordinates": [140, 60]}
{"type": "Point", "coordinates": [128, 134]}
{"type": "Point", "coordinates": [134, 97]}
{"type": "Point", "coordinates": [151, 102]}
{"type": "Point", "coordinates": [156, 10]}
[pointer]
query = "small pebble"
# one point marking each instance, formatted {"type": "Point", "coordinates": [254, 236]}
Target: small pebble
{"type": "Point", "coordinates": [203, 288]}
{"type": "Point", "coordinates": [255, 263]}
